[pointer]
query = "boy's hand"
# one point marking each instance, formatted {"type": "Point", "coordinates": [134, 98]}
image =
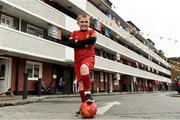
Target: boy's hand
{"type": "Point", "coordinates": [76, 40]}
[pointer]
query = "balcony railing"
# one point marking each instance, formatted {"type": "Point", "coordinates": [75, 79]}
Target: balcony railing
{"type": "Point", "coordinates": [112, 66]}
{"type": "Point", "coordinates": [23, 44]}
{"type": "Point", "coordinates": [114, 46]}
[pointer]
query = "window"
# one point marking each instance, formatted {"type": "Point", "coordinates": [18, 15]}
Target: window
{"type": "Point", "coordinates": [6, 21]}
{"type": "Point", "coordinates": [101, 53]}
{"type": "Point", "coordinates": [105, 55]}
{"type": "Point", "coordinates": [34, 31]}
{"type": "Point", "coordinates": [2, 71]}
{"type": "Point", "coordinates": [34, 70]}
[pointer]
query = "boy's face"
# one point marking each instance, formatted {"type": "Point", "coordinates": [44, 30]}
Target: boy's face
{"type": "Point", "coordinates": [83, 23]}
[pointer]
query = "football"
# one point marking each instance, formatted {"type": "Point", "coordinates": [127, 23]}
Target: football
{"type": "Point", "coordinates": [88, 110]}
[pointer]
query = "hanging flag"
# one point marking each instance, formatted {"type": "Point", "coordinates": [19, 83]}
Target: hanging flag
{"type": "Point", "coordinates": [97, 25]}
{"type": "Point", "coordinates": [54, 32]}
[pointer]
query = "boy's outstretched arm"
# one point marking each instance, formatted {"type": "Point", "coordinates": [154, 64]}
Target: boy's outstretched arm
{"type": "Point", "coordinates": [74, 44]}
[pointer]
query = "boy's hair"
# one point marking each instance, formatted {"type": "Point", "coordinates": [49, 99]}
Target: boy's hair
{"type": "Point", "coordinates": [82, 16]}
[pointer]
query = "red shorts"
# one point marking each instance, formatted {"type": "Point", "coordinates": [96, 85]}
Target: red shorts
{"type": "Point", "coordinates": [89, 61]}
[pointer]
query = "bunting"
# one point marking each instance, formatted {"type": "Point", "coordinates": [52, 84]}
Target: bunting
{"type": "Point", "coordinates": [147, 35]}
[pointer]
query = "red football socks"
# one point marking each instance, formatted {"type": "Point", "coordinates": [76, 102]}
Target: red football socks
{"type": "Point", "coordinates": [87, 86]}
{"type": "Point", "coordinates": [86, 82]}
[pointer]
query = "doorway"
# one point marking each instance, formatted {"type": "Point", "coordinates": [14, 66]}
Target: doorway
{"type": "Point", "coordinates": [5, 74]}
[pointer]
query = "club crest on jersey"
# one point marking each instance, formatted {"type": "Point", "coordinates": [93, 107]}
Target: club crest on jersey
{"type": "Point", "coordinates": [87, 36]}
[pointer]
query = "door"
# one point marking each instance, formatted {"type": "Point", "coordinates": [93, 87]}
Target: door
{"type": "Point", "coordinates": [4, 79]}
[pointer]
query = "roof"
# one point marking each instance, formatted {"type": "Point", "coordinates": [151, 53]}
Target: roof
{"type": "Point", "coordinates": [133, 25]}
{"type": "Point", "coordinates": [108, 1]}
{"type": "Point", "coordinates": [151, 41]}
{"type": "Point", "coordinates": [175, 58]}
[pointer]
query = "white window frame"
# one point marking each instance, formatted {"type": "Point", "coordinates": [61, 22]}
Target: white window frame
{"type": "Point", "coordinates": [116, 78]}
{"type": "Point", "coordinates": [10, 19]}
{"type": "Point", "coordinates": [92, 75]}
{"type": "Point", "coordinates": [40, 70]}
{"type": "Point", "coordinates": [101, 77]}
{"type": "Point", "coordinates": [116, 82]}
{"type": "Point", "coordinates": [106, 77]}
{"type": "Point", "coordinates": [34, 27]}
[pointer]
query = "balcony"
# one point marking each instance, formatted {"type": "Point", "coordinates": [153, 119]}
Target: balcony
{"type": "Point", "coordinates": [38, 9]}
{"type": "Point", "coordinates": [35, 8]}
{"type": "Point", "coordinates": [21, 44]}
{"type": "Point", "coordinates": [112, 66]}
{"type": "Point", "coordinates": [114, 46]}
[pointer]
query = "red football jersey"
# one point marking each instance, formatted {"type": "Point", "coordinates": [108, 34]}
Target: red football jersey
{"type": "Point", "coordinates": [83, 52]}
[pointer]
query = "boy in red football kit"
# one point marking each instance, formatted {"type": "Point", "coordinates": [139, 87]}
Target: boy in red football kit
{"type": "Point", "coordinates": [83, 43]}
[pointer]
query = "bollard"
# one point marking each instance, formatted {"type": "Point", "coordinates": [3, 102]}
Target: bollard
{"type": "Point", "coordinates": [25, 86]}
{"type": "Point", "coordinates": [39, 87]}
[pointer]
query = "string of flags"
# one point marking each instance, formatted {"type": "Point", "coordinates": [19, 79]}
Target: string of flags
{"type": "Point", "coordinates": [159, 37]}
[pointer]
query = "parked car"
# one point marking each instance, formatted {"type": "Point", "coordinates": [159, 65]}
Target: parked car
{"type": "Point", "coordinates": [177, 84]}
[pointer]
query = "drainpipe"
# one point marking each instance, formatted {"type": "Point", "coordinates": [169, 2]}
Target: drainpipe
{"type": "Point", "coordinates": [130, 84]}
{"type": "Point", "coordinates": [17, 76]}
{"type": "Point", "coordinates": [104, 82]}
{"type": "Point", "coordinates": [108, 81]}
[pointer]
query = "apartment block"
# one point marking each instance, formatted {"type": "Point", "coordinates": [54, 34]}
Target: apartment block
{"type": "Point", "coordinates": [125, 60]}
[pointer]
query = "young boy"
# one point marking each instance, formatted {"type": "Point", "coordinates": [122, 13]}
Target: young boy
{"type": "Point", "coordinates": [83, 43]}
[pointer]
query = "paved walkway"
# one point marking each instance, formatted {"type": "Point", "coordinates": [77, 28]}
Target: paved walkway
{"type": "Point", "coordinates": [17, 100]}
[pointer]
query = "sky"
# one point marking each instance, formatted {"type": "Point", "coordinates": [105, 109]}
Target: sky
{"type": "Point", "coordinates": [159, 20]}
